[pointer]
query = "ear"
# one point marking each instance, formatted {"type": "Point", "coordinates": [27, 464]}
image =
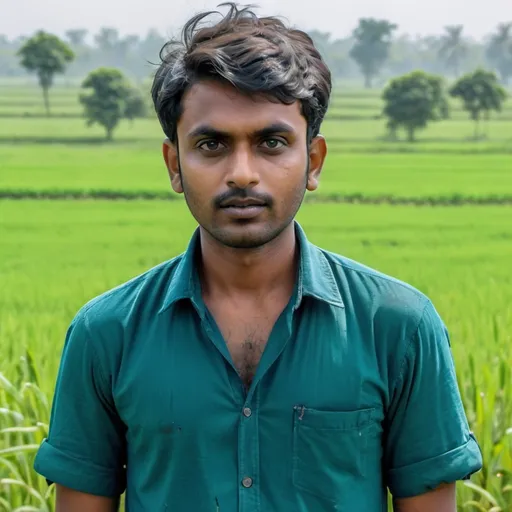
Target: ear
{"type": "Point", "coordinates": [317, 154]}
{"type": "Point", "coordinates": [172, 161]}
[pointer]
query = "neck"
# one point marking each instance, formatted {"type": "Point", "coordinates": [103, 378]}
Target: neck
{"type": "Point", "coordinates": [251, 273]}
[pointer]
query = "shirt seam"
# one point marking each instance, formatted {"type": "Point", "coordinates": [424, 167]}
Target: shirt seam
{"type": "Point", "coordinates": [138, 280]}
{"type": "Point", "coordinates": [104, 296]}
{"type": "Point", "coordinates": [409, 343]}
{"type": "Point", "coordinates": [93, 350]}
{"type": "Point", "coordinates": [379, 275]}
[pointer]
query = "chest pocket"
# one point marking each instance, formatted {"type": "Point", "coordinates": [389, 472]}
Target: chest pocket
{"type": "Point", "coordinates": [331, 451]}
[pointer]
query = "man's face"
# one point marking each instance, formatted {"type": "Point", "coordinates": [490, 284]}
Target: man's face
{"type": "Point", "coordinates": [243, 163]}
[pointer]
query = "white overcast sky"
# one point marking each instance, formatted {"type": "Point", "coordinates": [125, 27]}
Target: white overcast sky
{"type": "Point", "coordinates": [336, 16]}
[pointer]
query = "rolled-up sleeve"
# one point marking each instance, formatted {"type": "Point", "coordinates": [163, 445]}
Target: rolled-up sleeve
{"type": "Point", "coordinates": [428, 439]}
{"type": "Point", "coordinates": [85, 447]}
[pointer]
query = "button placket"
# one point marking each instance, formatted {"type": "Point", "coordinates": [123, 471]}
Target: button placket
{"type": "Point", "coordinates": [249, 498]}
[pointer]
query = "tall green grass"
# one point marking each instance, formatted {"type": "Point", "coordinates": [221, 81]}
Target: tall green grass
{"type": "Point", "coordinates": [56, 255]}
{"type": "Point", "coordinates": [24, 417]}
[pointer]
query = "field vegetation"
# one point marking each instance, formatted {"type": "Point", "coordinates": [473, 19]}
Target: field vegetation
{"type": "Point", "coordinates": [436, 213]}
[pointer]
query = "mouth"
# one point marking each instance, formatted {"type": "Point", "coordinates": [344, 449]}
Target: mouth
{"type": "Point", "coordinates": [243, 211]}
{"type": "Point", "coordinates": [242, 203]}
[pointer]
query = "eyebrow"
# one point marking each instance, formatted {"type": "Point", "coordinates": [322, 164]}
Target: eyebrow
{"type": "Point", "coordinates": [206, 130]}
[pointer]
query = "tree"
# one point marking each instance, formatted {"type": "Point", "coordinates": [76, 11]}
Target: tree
{"type": "Point", "coordinates": [136, 107]}
{"type": "Point", "coordinates": [109, 100]}
{"type": "Point", "coordinates": [371, 47]}
{"type": "Point", "coordinates": [107, 38]}
{"type": "Point", "coordinates": [480, 93]}
{"type": "Point", "coordinates": [453, 49]}
{"type": "Point", "coordinates": [76, 37]}
{"type": "Point", "coordinates": [334, 52]}
{"type": "Point", "coordinates": [46, 55]}
{"type": "Point", "coordinates": [150, 46]}
{"type": "Point", "coordinates": [411, 101]}
{"type": "Point", "coordinates": [125, 52]}
{"type": "Point", "coordinates": [499, 51]}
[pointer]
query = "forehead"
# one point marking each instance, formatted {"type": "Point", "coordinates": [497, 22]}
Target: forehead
{"type": "Point", "coordinates": [225, 108]}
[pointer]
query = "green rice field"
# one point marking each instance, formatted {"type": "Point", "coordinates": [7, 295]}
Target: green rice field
{"type": "Point", "coordinates": [436, 213]}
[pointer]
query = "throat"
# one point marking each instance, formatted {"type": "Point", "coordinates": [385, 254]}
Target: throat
{"type": "Point", "coordinates": [253, 273]}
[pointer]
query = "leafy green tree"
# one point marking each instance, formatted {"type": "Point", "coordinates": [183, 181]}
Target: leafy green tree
{"type": "Point", "coordinates": [411, 101]}
{"type": "Point", "coordinates": [453, 49]}
{"type": "Point", "coordinates": [46, 55]}
{"type": "Point", "coordinates": [136, 107]}
{"type": "Point", "coordinates": [499, 51]}
{"type": "Point", "coordinates": [371, 46]}
{"type": "Point", "coordinates": [480, 93]}
{"type": "Point", "coordinates": [110, 99]}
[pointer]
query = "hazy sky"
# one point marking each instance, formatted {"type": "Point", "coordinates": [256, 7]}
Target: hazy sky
{"type": "Point", "coordinates": [336, 16]}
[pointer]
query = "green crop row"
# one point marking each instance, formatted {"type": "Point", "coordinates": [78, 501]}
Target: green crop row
{"type": "Point", "coordinates": [137, 170]}
{"type": "Point", "coordinates": [56, 255]}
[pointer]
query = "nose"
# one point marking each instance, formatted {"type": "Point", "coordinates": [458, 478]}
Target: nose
{"type": "Point", "coordinates": [242, 169]}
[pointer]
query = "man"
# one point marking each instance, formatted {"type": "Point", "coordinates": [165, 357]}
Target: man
{"type": "Point", "coordinates": [255, 372]}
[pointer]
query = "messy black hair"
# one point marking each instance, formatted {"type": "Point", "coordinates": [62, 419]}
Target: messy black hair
{"type": "Point", "coordinates": [257, 55]}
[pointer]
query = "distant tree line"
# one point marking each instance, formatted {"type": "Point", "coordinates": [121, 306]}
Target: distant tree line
{"type": "Point", "coordinates": [110, 96]}
{"type": "Point", "coordinates": [411, 100]}
{"type": "Point", "coordinates": [373, 50]}
{"type": "Point", "coordinates": [135, 56]}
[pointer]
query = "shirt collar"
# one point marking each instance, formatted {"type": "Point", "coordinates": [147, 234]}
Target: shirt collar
{"type": "Point", "coordinates": [315, 277]}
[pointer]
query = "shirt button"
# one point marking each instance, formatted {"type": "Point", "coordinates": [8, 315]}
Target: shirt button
{"type": "Point", "coordinates": [247, 482]}
{"type": "Point", "coordinates": [247, 412]}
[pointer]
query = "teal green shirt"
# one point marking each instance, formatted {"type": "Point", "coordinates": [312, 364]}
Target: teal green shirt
{"type": "Point", "coordinates": [355, 393]}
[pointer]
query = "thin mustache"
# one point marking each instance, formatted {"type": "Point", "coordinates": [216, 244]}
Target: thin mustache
{"type": "Point", "coordinates": [241, 194]}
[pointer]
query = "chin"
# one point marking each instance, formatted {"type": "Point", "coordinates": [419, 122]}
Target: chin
{"type": "Point", "coordinates": [243, 241]}
{"type": "Point", "coordinates": [243, 237]}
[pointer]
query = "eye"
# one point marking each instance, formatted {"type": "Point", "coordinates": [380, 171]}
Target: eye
{"type": "Point", "coordinates": [210, 145]}
{"type": "Point", "coordinates": [274, 143]}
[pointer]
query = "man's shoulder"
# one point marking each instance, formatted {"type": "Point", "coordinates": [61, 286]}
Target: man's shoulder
{"type": "Point", "coordinates": [145, 291]}
{"type": "Point", "coordinates": [375, 292]}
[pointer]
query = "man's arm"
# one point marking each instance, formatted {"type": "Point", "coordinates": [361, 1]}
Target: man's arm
{"type": "Point", "coordinates": [442, 499]}
{"type": "Point", "coordinates": [69, 500]}
{"type": "Point", "coordinates": [428, 441]}
{"type": "Point", "coordinates": [85, 449]}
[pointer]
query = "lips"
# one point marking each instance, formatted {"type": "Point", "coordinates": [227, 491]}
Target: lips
{"type": "Point", "coordinates": [242, 203]}
{"type": "Point", "coordinates": [245, 211]}
{"type": "Point", "coordinates": [242, 207]}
